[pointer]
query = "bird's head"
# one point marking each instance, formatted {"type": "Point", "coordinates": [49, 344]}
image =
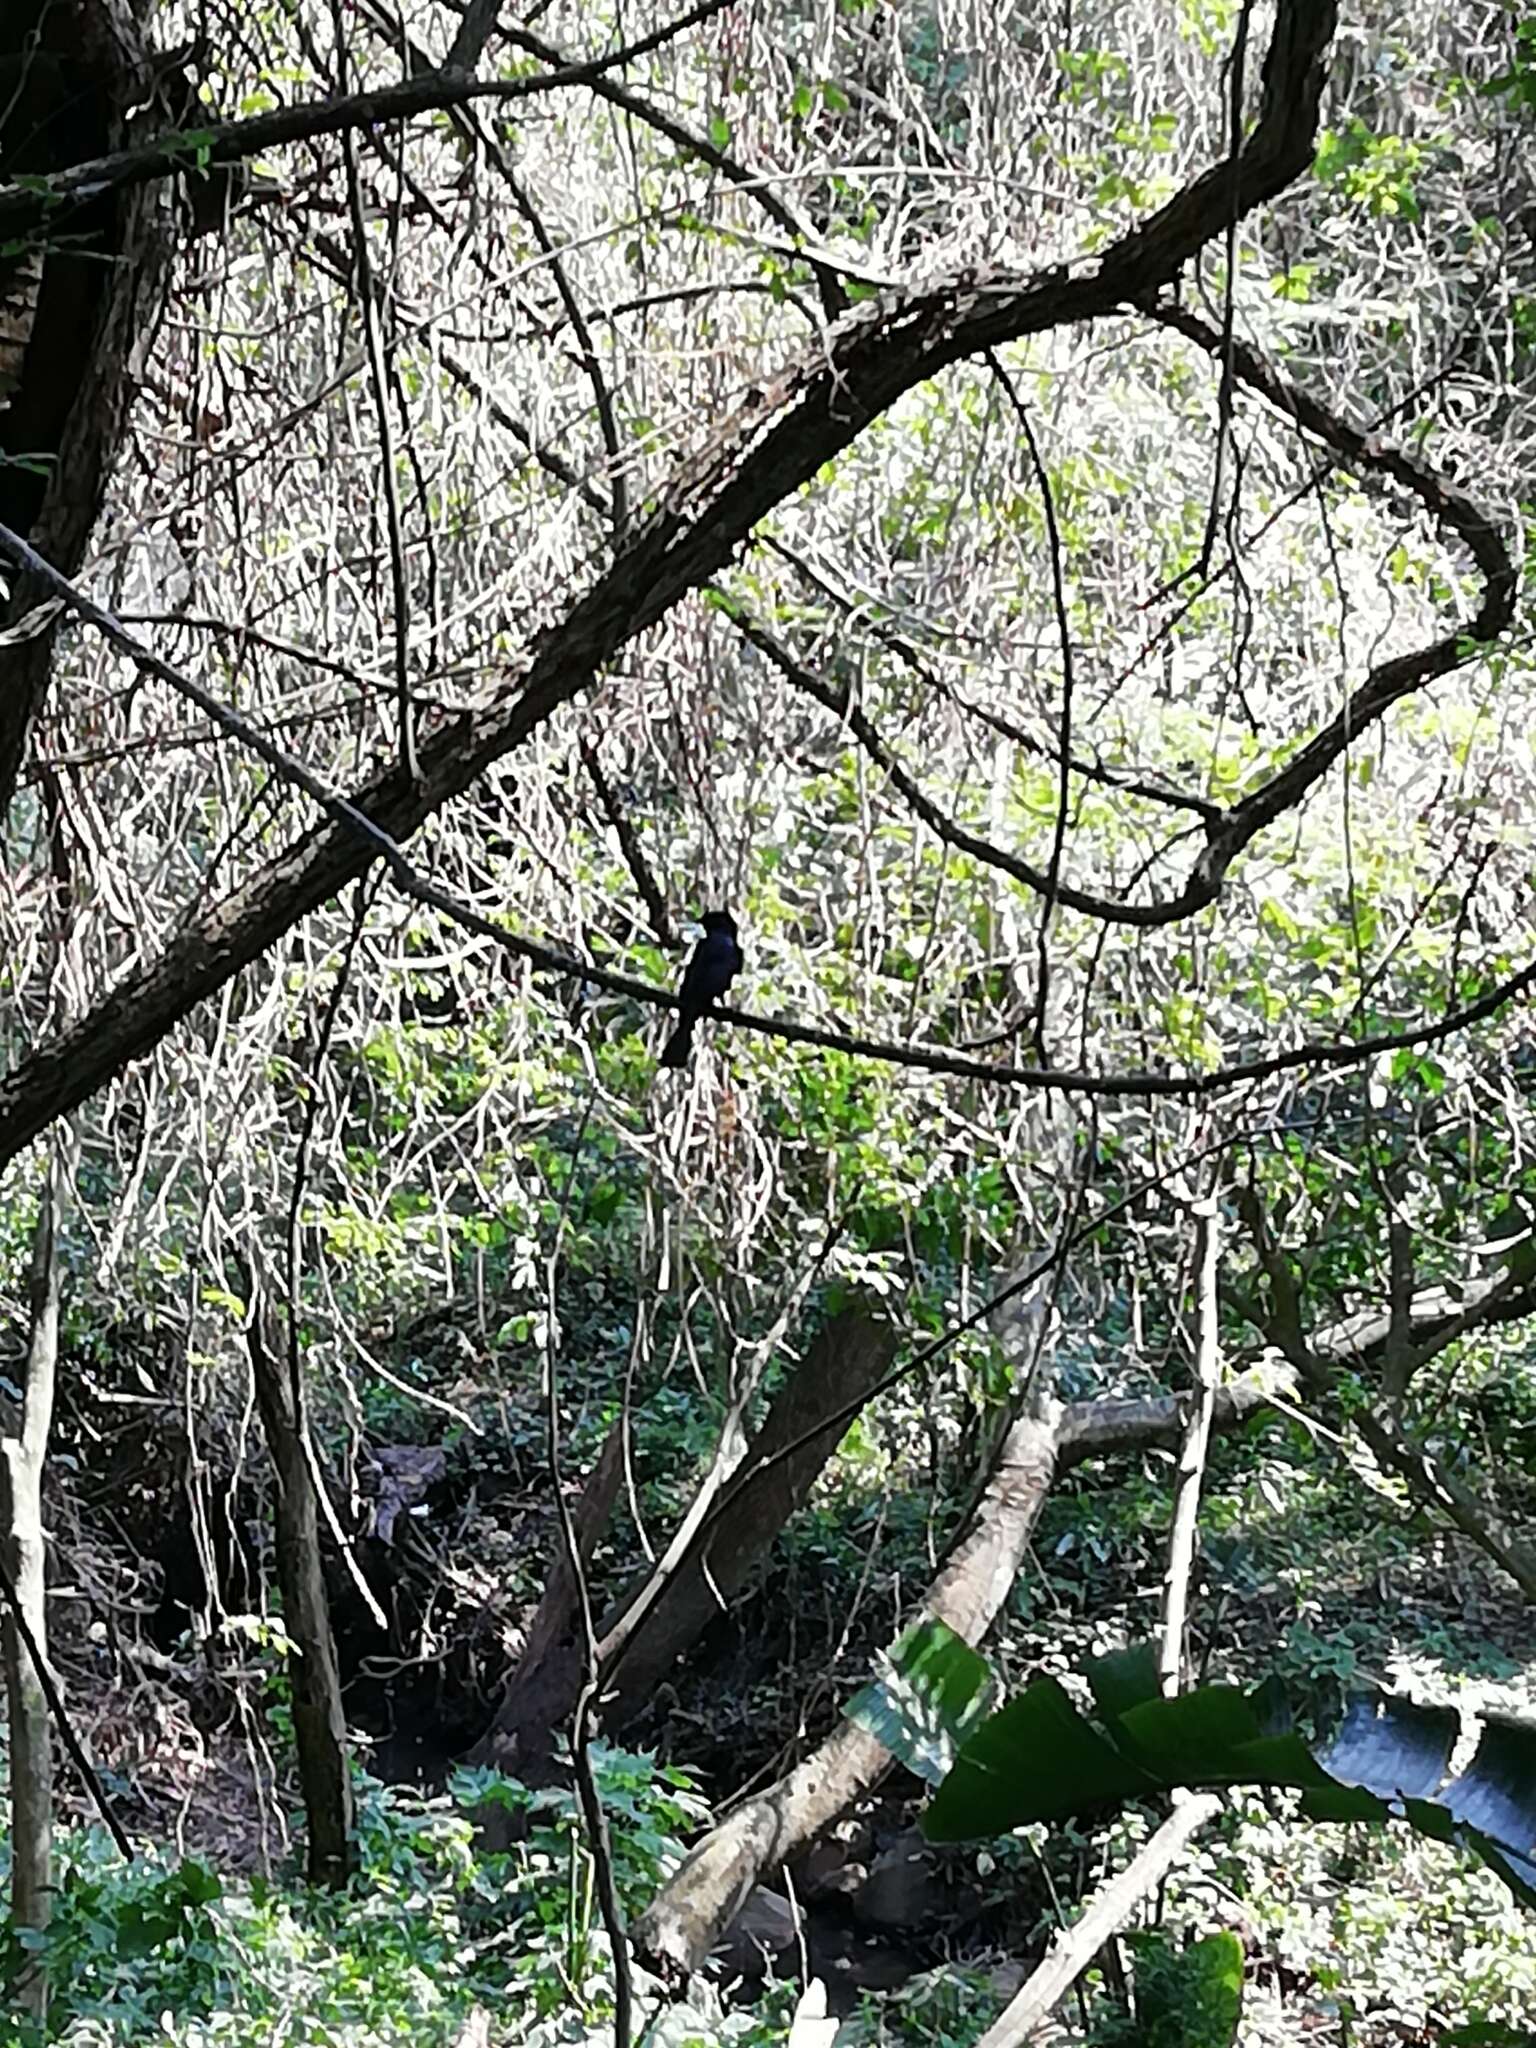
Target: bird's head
{"type": "Point", "coordinates": [719, 921]}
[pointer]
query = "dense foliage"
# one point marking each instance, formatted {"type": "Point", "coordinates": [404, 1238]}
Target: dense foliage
{"type": "Point", "coordinates": [774, 468]}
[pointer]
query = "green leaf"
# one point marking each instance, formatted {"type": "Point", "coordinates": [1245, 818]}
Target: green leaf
{"type": "Point", "coordinates": [1123, 1679]}
{"type": "Point", "coordinates": [1188, 1998]}
{"type": "Point", "coordinates": [937, 1689]}
{"type": "Point", "coordinates": [1035, 1759]}
{"type": "Point", "coordinates": [1039, 1759]}
{"type": "Point", "coordinates": [199, 1885]}
{"type": "Point", "coordinates": [1183, 1739]}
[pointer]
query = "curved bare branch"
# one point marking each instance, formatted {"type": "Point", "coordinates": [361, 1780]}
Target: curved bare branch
{"type": "Point", "coordinates": [775, 441]}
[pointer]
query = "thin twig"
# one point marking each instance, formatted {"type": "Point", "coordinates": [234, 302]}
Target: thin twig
{"type": "Point", "coordinates": [62, 1722]}
{"type": "Point", "coordinates": [1076, 1946]}
{"type": "Point", "coordinates": [1068, 689]}
{"type": "Point", "coordinates": [373, 343]}
{"type": "Point", "coordinates": [599, 1841]}
{"type": "Point", "coordinates": [641, 872]}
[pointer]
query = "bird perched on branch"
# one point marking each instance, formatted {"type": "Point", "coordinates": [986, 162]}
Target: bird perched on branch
{"type": "Point", "coordinates": [715, 964]}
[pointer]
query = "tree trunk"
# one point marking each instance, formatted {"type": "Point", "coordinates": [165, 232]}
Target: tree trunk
{"type": "Point", "coordinates": [720, 1548]}
{"type": "Point", "coordinates": [319, 1726]}
{"type": "Point", "coordinates": [90, 311]}
{"type": "Point", "coordinates": [656, 1622]}
{"type": "Point", "coordinates": [689, 1915]}
{"type": "Point", "coordinates": [23, 1454]}
{"type": "Point", "coordinates": [541, 1693]}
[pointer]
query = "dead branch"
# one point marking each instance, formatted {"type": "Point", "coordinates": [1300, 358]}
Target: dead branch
{"type": "Point", "coordinates": [1076, 1946]}
{"type": "Point", "coordinates": [688, 1916]}
{"type": "Point", "coordinates": [650, 1630]}
{"type": "Point", "coordinates": [542, 1690]}
{"type": "Point", "coordinates": [775, 441]}
{"type": "Point", "coordinates": [1190, 1475]}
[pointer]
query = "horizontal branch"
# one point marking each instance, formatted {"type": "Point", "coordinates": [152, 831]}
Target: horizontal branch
{"type": "Point", "coordinates": [118, 1030]}
{"type": "Point", "coordinates": [1452, 508]}
{"type": "Point", "coordinates": [1227, 832]}
{"type": "Point", "coordinates": [773, 444]}
{"type": "Point", "coordinates": [24, 208]}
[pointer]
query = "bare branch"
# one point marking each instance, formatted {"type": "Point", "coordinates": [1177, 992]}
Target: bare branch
{"type": "Point", "coordinates": [24, 209]}
{"type": "Point", "coordinates": [1076, 1946]}
{"type": "Point", "coordinates": [1190, 1475]}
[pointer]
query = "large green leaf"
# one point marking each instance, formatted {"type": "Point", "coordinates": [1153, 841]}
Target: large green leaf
{"type": "Point", "coordinates": [1038, 1758]}
{"type": "Point", "coordinates": [1034, 1759]}
{"type": "Point", "coordinates": [1124, 1679]}
{"type": "Point", "coordinates": [1190, 1997]}
{"type": "Point", "coordinates": [934, 1690]}
{"type": "Point", "coordinates": [1188, 1737]}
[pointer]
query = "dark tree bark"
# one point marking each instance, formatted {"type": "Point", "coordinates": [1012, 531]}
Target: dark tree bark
{"type": "Point", "coordinates": [319, 1725]}
{"type": "Point", "coordinates": [82, 320]}
{"type": "Point", "coordinates": [647, 1633]}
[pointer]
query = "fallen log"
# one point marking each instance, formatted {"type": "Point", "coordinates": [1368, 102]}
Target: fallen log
{"type": "Point", "coordinates": [689, 1915]}
{"type": "Point", "coordinates": [691, 1912]}
{"type": "Point", "coordinates": [663, 1615]}
{"type": "Point", "coordinates": [540, 1694]}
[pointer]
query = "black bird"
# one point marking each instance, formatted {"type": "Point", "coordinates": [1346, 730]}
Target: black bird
{"type": "Point", "coordinates": [715, 964]}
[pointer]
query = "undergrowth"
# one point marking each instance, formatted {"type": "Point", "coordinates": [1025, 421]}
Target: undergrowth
{"type": "Point", "coordinates": [432, 1927]}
